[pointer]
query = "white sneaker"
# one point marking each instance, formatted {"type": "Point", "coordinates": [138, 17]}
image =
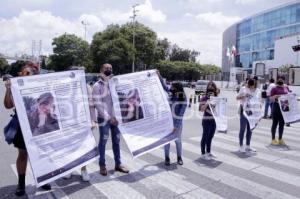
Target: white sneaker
{"type": "Point", "coordinates": [85, 176]}
{"type": "Point", "coordinates": [205, 157]}
{"type": "Point", "coordinates": [242, 149]}
{"type": "Point", "coordinates": [211, 155]}
{"type": "Point", "coordinates": [249, 149]}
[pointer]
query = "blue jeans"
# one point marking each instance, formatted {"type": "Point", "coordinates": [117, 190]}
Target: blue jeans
{"type": "Point", "coordinates": [177, 142]}
{"type": "Point", "coordinates": [268, 103]}
{"type": "Point", "coordinates": [243, 125]}
{"type": "Point", "coordinates": [104, 128]}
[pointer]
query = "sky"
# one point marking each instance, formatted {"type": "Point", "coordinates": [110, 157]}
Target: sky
{"type": "Point", "coordinates": [193, 24]}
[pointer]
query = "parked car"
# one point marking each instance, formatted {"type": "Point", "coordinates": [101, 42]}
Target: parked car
{"type": "Point", "coordinates": [200, 87]}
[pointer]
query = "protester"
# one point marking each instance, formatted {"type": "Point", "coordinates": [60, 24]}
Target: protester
{"type": "Point", "coordinates": [276, 92]}
{"type": "Point", "coordinates": [178, 104]}
{"type": "Point", "coordinates": [106, 119]}
{"type": "Point", "coordinates": [208, 121]}
{"type": "Point", "coordinates": [245, 94]}
{"type": "Point", "coordinates": [20, 68]}
{"type": "Point", "coordinates": [268, 102]}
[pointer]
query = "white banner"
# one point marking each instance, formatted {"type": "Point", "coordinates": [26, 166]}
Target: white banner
{"type": "Point", "coordinates": [289, 108]}
{"type": "Point", "coordinates": [143, 111]}
{"type": "Point", "coordinates": [252, 109]}
{"type": "Point", "coordinates": [55, 120]}
{"type": "Point", "coordinates": [218, 108]}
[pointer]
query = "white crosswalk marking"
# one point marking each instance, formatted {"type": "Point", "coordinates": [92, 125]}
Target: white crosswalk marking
{"type": "Point", "coordinates": [244, 185]}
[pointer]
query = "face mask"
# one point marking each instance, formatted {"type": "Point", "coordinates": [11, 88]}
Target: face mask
{"type": "Point", "coordinates": [280, 83]}
{"type": "Point", "coordinates": [107, 72]}
{"type": "Point", "coordinates": [210, 90]}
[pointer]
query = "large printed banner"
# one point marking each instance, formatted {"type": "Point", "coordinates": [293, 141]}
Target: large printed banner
{"type": "Point", "coordinates": [218, 108]}
{"type": "Point", "coordinates": [142, 109]}
{"type": "Point", "coordinates": [253, 109]}
{"type": "Point", "coordinates": [289, 108]}
{"type": "Point", "coordinates": [55, 120]}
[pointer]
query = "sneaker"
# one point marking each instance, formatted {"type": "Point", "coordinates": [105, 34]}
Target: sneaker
{"type": "Point", "coordinates": [212, 155]}
{"type": "Point", "coordinates": [85, 176]}
{"type": "Point", "coordinates": [103, 170]}
{"type": "Point", "coordinates": [167, 161]}
{"type": "Point", "coordinates": [242, 149]}
{"type": "Point", "coordinates": [20, 191]}
{"type": "Point", "coordinates": [121, 169]}
{"type": "Point", "coordinates": [66, 177]}
{"type": "Point", "coordinates": [46, 187]}
{"type": "Point", "coordinates": [281, 142]}
{"type": "Point", "coordinates": [274, 142]}
{"type": "Point", "coordinates": [249, 149]}
{"type": "Point", "coordinates": [288, 124]}
{"type": "Point", "coordinates": [179, 161]}
{"type": "Point", "coordinates": [205, 157]}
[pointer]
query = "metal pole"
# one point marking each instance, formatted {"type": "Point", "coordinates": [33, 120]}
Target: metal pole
{"type": "Point", "coordinates": [84, 24]}
{"type": "Point", "coordinates": [133, 33]}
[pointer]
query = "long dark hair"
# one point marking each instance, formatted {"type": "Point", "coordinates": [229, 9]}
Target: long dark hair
{"type": "Point", "coordinates": [213, 84]}
{"type": "Point", "coordinates": [177, 91]}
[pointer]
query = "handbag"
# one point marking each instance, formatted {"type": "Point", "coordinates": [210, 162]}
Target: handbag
{"type": "Point", "coordinates": [10, 130]}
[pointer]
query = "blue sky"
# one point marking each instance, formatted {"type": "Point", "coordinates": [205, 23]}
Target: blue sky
{"type": "Point", "coordinates": [194, 24]}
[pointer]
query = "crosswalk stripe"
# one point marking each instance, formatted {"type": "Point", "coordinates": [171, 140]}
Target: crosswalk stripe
{"type": "Point", "coordinates": [110, 186]}
{"type": "Point", "coordinates": [285, 135]}
{"type": "Point", "coordinates": [259, 143]}
{"type": "Point", "coordinates": [168, 179]}
{"type": "Point", "coordinates": [240, 163]}
{"type": "Point", "coordinates": [261, 155]}
{"type": "Point", "coordinates": [32, 192]}
{"type": "Point", "coordinates": [287, 130]}
{"type": "Point", "coordinates": [250, 187]}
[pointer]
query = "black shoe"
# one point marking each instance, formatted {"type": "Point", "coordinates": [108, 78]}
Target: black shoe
{"type": "Point", "coordinates": [20, 191]}
{"type": "Point", "coordinates": [167, 161]}
{"type": "Point", "coordinates": [46, 187]}
{"type": "Point", "coordinates": [179, 161]}
{"type": "Point", "coordinates": [288, 124]}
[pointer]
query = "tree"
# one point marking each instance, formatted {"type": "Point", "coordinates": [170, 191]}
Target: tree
{"type": "Point", "coordinates": [162, 50]}
{"type": "Point", "coordinates": [3, 65]}
{"type": "Point", "coordinates": [180, 54]}
{"type": "Point", "coordinates": [68, 50]}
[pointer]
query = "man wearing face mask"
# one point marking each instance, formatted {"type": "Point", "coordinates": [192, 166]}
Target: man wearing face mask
{"type": "Point", "coordinates": [106, 119]}
{"type": "Point", "coordinates": [276, 92]}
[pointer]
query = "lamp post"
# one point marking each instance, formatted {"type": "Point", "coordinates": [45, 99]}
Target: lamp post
{"type": "Point", "coordinates": [85, 24]}
{"type": "Point", "coordinates": [134, 11]}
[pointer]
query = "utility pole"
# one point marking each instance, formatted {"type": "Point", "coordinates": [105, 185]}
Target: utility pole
{"type": "Point", "coordinates": [85, 24]}
{"type": "Point", "coordinates": [134, 14]}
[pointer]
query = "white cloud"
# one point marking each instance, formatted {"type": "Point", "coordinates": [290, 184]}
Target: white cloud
{"type": "Point", "coordinates": [145, 12]}
{"type": "Point", "coordinates": [18, 32]}
{"type": "Point", "coordinates": [217, 19]}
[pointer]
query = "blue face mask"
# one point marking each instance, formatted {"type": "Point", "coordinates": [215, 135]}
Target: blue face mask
{"type": "Point", "coordinates": [108, 72]}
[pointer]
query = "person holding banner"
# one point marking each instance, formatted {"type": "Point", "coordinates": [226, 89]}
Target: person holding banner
{"type": "Point", "coordinates": [246, 93]}
{"type": "Point", "coordinates": [106, 119]}
{"type": "Point", "coordinates": [208, 121]}
{"type": "Point", "coordinates": [178, 104]}
{"type": "Point", "coordinates": [276, 92]}
{"type": "Point", "coordinates": [20, 68]}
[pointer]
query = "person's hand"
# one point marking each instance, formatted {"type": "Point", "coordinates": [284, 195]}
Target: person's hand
{"type": "Point", "coordinates": [8, 84]}
{"type": "Point", "coordinates": [114, 121]}
{"type": "Point", "coordinates": [93, 125]}
{"type": "Point", "coordinates": [174, 130]}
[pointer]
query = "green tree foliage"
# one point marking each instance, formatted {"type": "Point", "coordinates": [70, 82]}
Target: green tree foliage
{"type": "Point", "coordinates": [180, 54]}
{"type": "Point", "coordinates": [68, 50]}
{"type": "Point", "coordinates": [3, 65]}
{"type": "Point", "coordinates": [178, 70]}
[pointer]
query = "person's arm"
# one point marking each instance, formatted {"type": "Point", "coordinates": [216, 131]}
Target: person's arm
{"type": "Point", "coordinates": [165, 87]}
{"type": "Point", "coordinates": [240, 95]}
{"type": "Point", "coordinates": [273, 95]}
{"type": "Point", "coordinates": [203, 105]}
{"type": "Point", "coordinates": [91, 106]}
{"type": "Point", "coordinates": [8, 98]}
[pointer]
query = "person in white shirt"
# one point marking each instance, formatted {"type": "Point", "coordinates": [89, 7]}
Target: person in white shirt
{"type": "Point", "coordinates": [244, 95]}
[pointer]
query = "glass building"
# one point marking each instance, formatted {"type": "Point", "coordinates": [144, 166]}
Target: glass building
{"type": "Point", "coordinates": [254, 37]}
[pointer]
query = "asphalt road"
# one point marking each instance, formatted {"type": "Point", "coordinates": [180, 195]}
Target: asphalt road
{"type": "Point", "coordinates": [273, 172]}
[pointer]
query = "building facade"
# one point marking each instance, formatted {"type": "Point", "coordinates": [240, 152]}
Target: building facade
{"type": "Point", "coordinates": [255, 37]}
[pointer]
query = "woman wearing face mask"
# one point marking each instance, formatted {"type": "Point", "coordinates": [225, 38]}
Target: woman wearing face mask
{"type": "Point", "coordinates": [280, 89]}
{"type": "Point", "coordinates": [245, 94]}
{"type": "Point", "coordinates": [208, 121]}
{"type": "Point", "coordinates": [178, 105]}
{"type": "Point", "coordinates": [20, 68]}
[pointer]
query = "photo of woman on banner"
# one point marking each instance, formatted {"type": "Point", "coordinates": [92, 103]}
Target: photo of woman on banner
{"type": "Point", "coordinates": [42, 118]}
{"type": "Point", "coordinates": [131, 108]}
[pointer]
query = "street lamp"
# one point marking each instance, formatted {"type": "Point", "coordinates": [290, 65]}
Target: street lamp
{"type": "Point", "coordinates": [84, 24]}
{"type": "Point", "coordinates": [134, 11]}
